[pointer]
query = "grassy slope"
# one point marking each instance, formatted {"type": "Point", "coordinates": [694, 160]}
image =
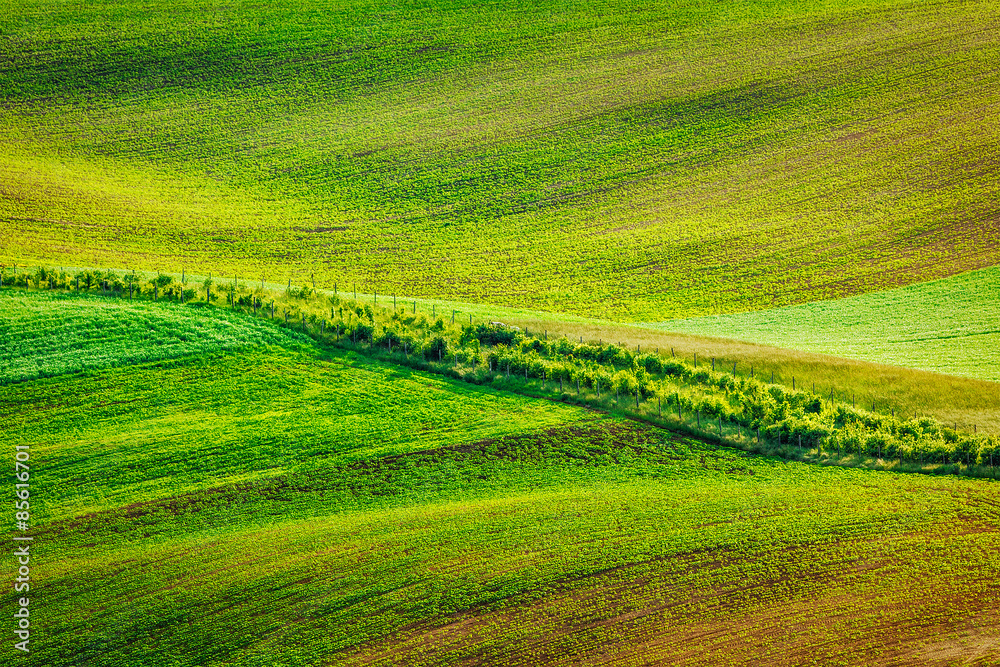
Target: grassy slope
{"type": "Point", "coordinates": [618, 161]}
{"type": "Point", "coordinates": [948, 326]}
{"type": "Point", "coordinates": [152, 430]}
{"type": "Point", "coordinates": [960, 304]}
{"type": "Point", "coordinates": [281, 507]}
{"type": "Point", "coordinates": [605, 541]}
{"type": "Point", "coordinates": [44, 334]}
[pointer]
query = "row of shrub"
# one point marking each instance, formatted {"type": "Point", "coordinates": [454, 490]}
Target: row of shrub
{"type": "Point", "coordinates": [487, 352]}
{"type": "Point", "coordinates": [771, 412]}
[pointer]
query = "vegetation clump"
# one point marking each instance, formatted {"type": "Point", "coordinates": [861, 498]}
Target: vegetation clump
{"type": "Point", "coordinates": [743, 411]}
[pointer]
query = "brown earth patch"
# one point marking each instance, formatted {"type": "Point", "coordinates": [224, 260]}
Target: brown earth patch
{"type": "Point", "coordinates": [973, 649]}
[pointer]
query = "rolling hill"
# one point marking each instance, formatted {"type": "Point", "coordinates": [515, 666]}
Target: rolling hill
{"type": "Point", "coordinates": [627, 162]}
{"type": "Point", "coordinates": [288, 504]}
{"type": "Point", "coordinates": [741, 406]}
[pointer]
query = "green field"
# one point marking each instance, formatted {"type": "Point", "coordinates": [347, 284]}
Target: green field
{"type": "Point", "coordinates": [52, 334]}
{"type": "Point", "coordinates": [426, 523]}
{"type": "Point", "coordinates": [946, 326]}
{"type": "Point", "coordinates": [741, 407]}
{"type": "Point", "coordinates": [620, 161]}
{"type": "Point", "coordinates": [153, 430]}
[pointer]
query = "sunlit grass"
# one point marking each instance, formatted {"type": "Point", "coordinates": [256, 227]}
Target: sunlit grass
{"type": "Point", "coordinates": [605, 160]}
{"type": "Point", "coordinates": [527, 549]}
{"type": "Point", "coordinates": [948, 326]}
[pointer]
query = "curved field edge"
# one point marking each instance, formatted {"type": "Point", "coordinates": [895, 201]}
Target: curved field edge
{"type": "Point", "coordinates": [587, 544]}
{"type": "Point", "coordinates": [739, 410]}
{"type": "Point", "coordinates": [966, 403]}
{"type": "Point", "coordinates": [611, 157]}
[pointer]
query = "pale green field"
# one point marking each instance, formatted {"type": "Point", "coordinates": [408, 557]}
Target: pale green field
{"type": "Point", "coordinates": [945, 326]}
